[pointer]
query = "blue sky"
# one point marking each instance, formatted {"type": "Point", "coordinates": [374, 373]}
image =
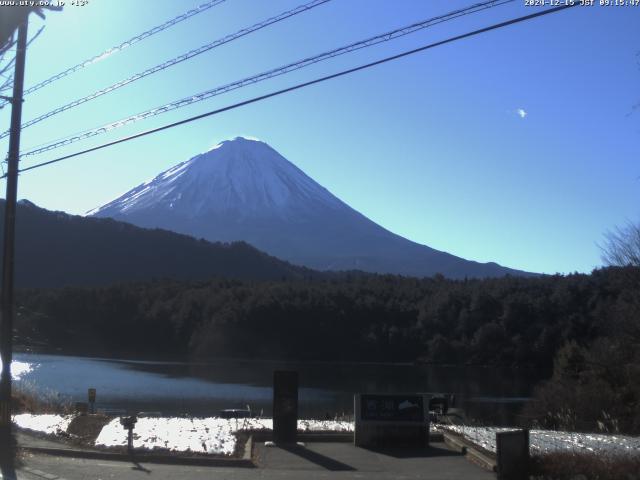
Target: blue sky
{"type": "Point", "coordinates": [518, 146]}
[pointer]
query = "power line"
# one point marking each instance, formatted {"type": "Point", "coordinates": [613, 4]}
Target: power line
{"type": "Point", "coordinates": [127, 43]}
{"type": "Point", "coordinates": [305, 84]}
{"type": "Point", "coordinates": [191, 99]}
{"type": "Point", "coordinates": [174, 61]}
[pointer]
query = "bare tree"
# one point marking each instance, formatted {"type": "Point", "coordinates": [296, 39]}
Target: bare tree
{"type": "Point", "coordinates": [622, 246]}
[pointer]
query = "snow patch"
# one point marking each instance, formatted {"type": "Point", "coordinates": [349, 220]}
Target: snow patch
{"type": "Point", "coordinates": [248, 137]}
{"type": "Point", "coordinates": [19, 369]}
{"type": "Point", "coordinates": [199, 435]}
{"type": "Point", "coordinates": [208, 435]}
{"type": "Point", "coordinates": [546, 441]}
{"type": "Point", "coordinates": [324, 426]}
{"type": "Point", "coordinates": [47, 423]}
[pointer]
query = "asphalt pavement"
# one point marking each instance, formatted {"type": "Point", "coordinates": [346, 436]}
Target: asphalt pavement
{"type": "Point", "coordinates": [314, 460]}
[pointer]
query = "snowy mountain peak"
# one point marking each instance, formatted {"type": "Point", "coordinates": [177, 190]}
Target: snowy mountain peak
{"type": "Point", "coordinates": [240, 140]}
{"type": "Point", "coordinates": [243, 175]}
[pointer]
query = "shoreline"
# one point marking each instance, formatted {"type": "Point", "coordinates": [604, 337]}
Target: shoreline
{"type": "Point", "coordinates": [129, 357]}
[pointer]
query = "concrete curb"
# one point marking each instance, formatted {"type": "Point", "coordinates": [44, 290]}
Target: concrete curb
{"type": "Point", "coordinates": [346, 437]}
{"type": "Point", "coordinates": [471, 453]}
{"type": "Point", "coordinates": [308, 437]}
{"type": "Point", "coordinates": [481, 460]}
{"type": "Point", "coordinates": [248, 450]}
{"type": "Point", "coordinates": [455, 443]}
{"type": "Point", "coordinates": [40, 473]}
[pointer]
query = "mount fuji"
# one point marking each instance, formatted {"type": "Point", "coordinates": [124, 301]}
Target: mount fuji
{"type": "Point", "coordinates": [243, 189]}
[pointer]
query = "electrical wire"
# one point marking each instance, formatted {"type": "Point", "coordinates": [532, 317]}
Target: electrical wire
{"type": "Point", "coordinates": [191, 99]}
{"type": "Point", "coordinates": [127, 43]}
{"type": "Point", "coordinates": [305, 84]}
{"type": "Point", "coordinates": [174, 61]}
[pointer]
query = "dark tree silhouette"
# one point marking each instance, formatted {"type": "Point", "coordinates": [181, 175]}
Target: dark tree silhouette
{"type": "Point", "coordinates": [622, 246]}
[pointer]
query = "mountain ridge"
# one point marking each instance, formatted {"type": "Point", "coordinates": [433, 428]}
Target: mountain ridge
{"type": "Point", "coordinates": [55, 249]}
{"type": "Point", "coordinates": [243, 189]}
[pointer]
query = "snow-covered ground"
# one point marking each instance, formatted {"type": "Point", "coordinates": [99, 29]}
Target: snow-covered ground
{"type": "Point", "coordinates": [324, 426]}
{"type": "Point", "coordinates": [545, 441]}
{"type": "Point", "coordinates": [18, 369]}
{"type": "Point", "coordinates": [201, 435]}
{"type": "Point", "coordinates": [198, 435]}
{"type": "Point", "coordinates": [46, 423]}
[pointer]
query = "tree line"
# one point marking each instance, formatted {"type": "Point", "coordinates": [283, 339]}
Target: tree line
{"type": "Point", "coordinates": [507, 321]}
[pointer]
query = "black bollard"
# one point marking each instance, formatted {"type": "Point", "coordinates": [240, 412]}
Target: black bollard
{"type": "Point", "coordinates": [285, 406]}
{"type": "Point", "coordinates": [512, 452]}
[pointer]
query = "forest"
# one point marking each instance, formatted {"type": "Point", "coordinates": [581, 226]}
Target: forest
{"type": "Point", "coordinates": [507, 321]}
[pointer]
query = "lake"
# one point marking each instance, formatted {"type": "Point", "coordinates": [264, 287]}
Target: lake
{"type": "Point", "coordinates": [489, 394]}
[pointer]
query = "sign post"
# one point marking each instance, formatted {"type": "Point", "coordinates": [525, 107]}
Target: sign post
{"type": "Point", "coordinates": [92, 400]}
{"type": "Point", "coordinates": [129, 424]}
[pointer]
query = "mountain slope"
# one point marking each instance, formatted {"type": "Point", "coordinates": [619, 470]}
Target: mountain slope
{"type": "Point", "coordinates": [55, 249]}
{"type": "Point", "coordinates": [244, 190]}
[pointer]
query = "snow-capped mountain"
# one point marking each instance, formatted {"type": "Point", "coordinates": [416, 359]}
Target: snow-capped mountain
{"type": "Point", "coordinates": [243, 189]}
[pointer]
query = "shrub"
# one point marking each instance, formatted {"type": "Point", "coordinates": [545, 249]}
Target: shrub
{"type": "Point", "coordinates": [27, 399]}
{"type": "Point", "coordinates": [585, 466]}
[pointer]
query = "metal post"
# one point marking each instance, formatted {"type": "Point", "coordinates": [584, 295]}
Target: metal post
{"type": "Point", "coordinates": [6, 299]}
{"type": "Point", "coordinates": [130, 440]}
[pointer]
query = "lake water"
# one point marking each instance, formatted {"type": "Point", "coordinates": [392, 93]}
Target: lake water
{"type": "Point", "coordinates": [492, 395]}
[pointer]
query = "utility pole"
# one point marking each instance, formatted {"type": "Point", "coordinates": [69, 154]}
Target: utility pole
{"type": "Point", "coordinates": [6, 299]}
